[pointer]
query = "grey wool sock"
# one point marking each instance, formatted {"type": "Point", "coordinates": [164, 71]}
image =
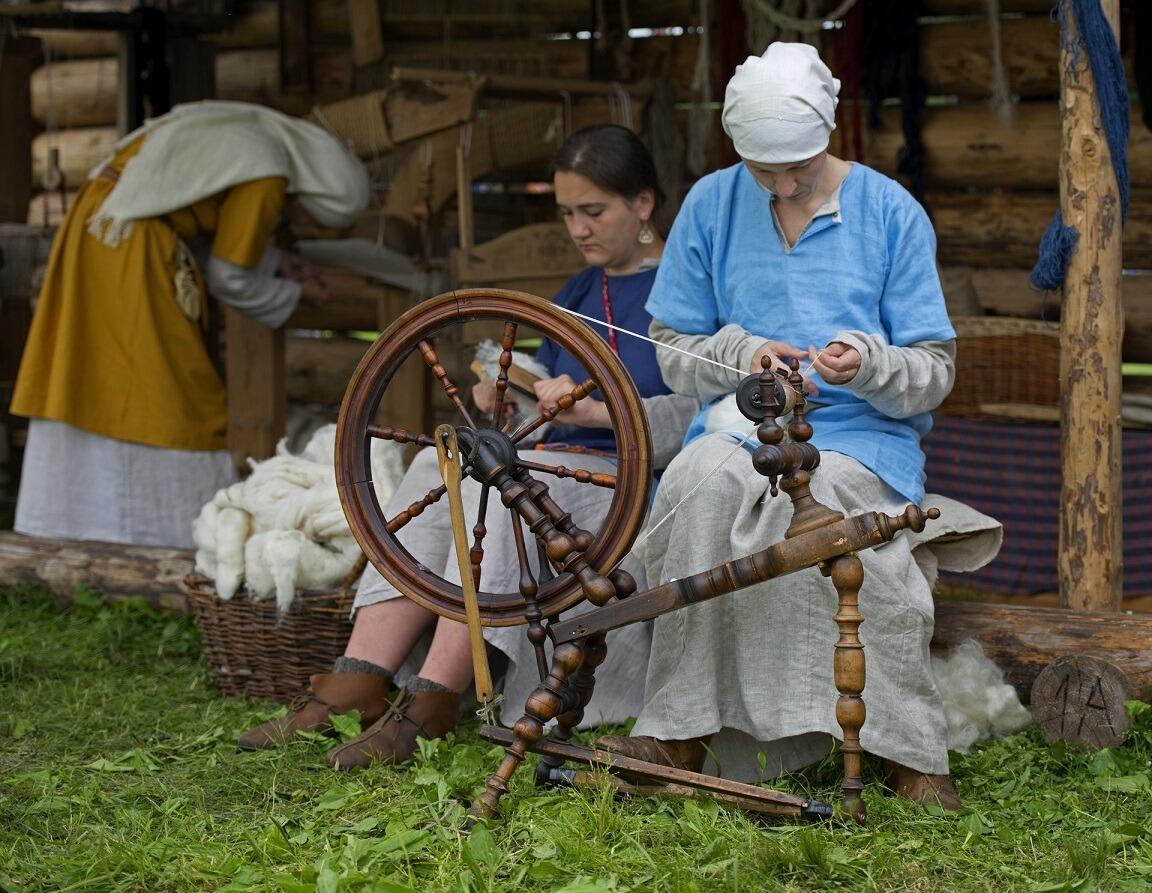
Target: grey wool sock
{"type": "Point", "coordinates": [355, 665]}
{"type": "Point", "coordinates": [419, 683]}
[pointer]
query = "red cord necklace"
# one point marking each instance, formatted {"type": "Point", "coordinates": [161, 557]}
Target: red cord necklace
{"type": "Point", "coordinates": [608, 313]}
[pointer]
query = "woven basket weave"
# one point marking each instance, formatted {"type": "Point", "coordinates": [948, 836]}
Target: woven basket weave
{"type": "Point", "coordinates": [1002, 360]}
{"type": "Point", "coordinates": [256, 654]}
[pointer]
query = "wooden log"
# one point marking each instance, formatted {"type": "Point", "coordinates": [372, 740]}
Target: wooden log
{"type": "Point", "coordinates": [1022, 641]}
{"type": "Point", "coordinates": [1091, 556]}
{"type": "Point", "coordinates": [350, 307]}
{"type": "Point", "coordinates": [82, 92]}
{"type": "Point", "coordinates": [956, 56]}
{"type": "Point", "coordinates": [255, 27]}
{"type": "Point", "coordinates": [81, 149]}
{"type": "Point", "coordinates": [504, 56]}
{"type": "Point", "coordinates": [979, 7]}
{"type": "Point", "coordinates": [1007, 293]}
{"type": "Point", "coordinates": [1003, 229]}
{"type": "Point", "coordinates": [969, 146]}
{"type": "Point", "coordinates": [477, 20]}
{"type": "Point", "coordinates": [1079, 699]}
{"type": "Point", "coordinates": [318, 369]}
{"type": "Point", "coordinates": [113, 569]}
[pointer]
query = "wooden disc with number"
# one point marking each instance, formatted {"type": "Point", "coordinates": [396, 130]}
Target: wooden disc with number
{"type": "Point", "coordinates": [1080, 699]}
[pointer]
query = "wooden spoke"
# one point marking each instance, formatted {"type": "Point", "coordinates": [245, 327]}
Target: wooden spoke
{"type": "Point", "coordinates": [506, 343]}
{"type": "Point", "coordinates": [595, 478]}
{"type": "Point", "coordinates": [564, 404]}
{"type": "Point", "coordinates": [429, 353]}
{"type": "Point", "coordinates": [476, 553]}
{"type": "Point", "coordinates": [529, 588]}
{"type": "Point", "coordinates": [399, 435]}
{"type": "Point", "coordinates": [416, 508]}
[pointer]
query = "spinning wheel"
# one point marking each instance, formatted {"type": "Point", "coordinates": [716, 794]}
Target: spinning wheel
{"type": "Point", "coordinates": [578, 559]}
{"type": "Point", "coordinates": [576, 564]}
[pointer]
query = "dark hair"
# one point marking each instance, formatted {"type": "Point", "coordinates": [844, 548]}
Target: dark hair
{"type": "Point", "coordinates": [613, 158]}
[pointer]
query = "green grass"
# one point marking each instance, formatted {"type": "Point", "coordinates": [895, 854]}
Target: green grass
{"type": "Point", "coordinates": [118, 771]}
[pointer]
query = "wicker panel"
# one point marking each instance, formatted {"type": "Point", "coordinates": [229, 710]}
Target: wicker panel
{"type": "Point", "coordinates": [1001, 360]}
{"type": "Point", "coordinates": [255, 654]}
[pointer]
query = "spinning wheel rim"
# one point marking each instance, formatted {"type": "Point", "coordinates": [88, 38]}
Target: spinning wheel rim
{"type": "Point", "coordinates": [366, 518]}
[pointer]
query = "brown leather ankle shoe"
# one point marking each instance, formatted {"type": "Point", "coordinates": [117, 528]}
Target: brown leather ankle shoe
{"type": "Point", "coordinates": [392, 738]}
{"type": "Point", "coordinates": [688, 754]}
{"type": "Point", "coordinates": [920, 787]}
{"type": "Point", "coordinates": [328, 693]}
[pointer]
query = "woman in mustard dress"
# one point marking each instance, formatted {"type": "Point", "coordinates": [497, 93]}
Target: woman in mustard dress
{"type": "Point", "coordinates": [127, 434]}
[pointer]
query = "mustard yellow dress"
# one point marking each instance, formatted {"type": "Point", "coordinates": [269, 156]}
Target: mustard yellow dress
{"type": "Point", "coordinates": [129, 418]}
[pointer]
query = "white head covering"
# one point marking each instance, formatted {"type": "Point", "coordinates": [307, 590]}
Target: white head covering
{"type": "Point", "coordinates": [202, 148]}
{"type": "Point", "coordinates": [781, 107]}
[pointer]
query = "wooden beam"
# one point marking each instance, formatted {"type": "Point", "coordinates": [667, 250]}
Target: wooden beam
{"type": "Point", "coordinates": [1022, 641]}
{"type": "Point", "coordinates": [112, 569]}
{"type": "Point", "coordinates": [257, 401]}
{"type": "Point", "coordinates": [1091, 557]}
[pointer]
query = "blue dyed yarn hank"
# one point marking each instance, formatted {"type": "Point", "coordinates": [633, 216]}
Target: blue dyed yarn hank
{"type": "Point", "coordinates": [1094, 35]}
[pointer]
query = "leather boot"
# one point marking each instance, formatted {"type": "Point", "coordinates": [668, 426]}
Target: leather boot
{"type": "Point", "coordinates": [687, 754]}
{"type": "Point", "coordinates": [392, 738]}
{"type": "Point", "coordinates": [920, 787]}
{"type": "Point", "coordinates": [328, 693]}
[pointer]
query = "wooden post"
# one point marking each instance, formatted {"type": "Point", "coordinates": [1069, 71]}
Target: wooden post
{"type": "Point", "coordinates": [17, 57]}
{"type": "Point", "coordinates": [406, 402]}
{"type": "Point", "coordinates": [254, 373]}
{"type": "Point", "coordinates": [464, 189]}
{"type": "Point", "coordinates": [1092, 325]}
{"type": "Point", "coordinates": [367, 36]}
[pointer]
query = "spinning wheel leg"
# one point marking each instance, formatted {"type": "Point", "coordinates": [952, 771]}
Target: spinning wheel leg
{"type": "Point", "coordinates": [543, 705]}
{"type": "Point", "coordinates": [847, 575]}
{"type": "Point", "coordinates": [581, 685]}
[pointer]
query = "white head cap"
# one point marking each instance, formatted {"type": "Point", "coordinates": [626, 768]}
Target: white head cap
{"type": "Point", "coordinates": [781, 107]}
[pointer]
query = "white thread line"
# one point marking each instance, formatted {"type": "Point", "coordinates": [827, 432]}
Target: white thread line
{"type": "Point", "coordinates": [659, 344]}
{"type": "Point", "coordinates": [651, 530]}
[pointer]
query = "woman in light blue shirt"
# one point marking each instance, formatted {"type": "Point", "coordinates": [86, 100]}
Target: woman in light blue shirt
{"type": "Point", "coordinates": [795, 253]}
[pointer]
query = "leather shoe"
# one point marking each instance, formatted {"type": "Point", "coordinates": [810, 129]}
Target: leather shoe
{"type": "Point", "coordinates": [920, 787]}
{"type": "Point", "coordinates": [392, 738]}
{"type": "Point", "coordinates": [328, 694]}
{"type": "Point", "coordinates": [687, 754]}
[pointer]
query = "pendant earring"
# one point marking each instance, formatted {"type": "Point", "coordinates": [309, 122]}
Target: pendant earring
{"type": "Point", "coordinates": [646, 237]}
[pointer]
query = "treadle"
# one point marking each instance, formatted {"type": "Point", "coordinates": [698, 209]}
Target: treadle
{"type": "Point", "coordinates": [746, 796]}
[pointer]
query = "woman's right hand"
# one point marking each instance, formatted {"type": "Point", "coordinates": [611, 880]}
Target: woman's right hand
{"type": "Point", "coordinates": [779, 351]}
{"type": "Point", "coordinates": [484, 396]}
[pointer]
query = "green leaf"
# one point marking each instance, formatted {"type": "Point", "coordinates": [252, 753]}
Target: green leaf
{"type": "Point", "coordinates": [1127, 784]}
{"type": "Point", "coordinates": [347, 725]}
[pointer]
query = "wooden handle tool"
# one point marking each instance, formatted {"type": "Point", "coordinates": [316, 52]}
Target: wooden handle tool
{"type": "Point", "coordinates": [448, 455]}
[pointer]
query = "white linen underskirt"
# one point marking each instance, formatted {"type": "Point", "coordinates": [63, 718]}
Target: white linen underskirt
{"type": "Point", "coordinates": [79, 485]}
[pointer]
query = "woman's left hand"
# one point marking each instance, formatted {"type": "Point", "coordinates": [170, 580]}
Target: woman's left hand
{"type": "Point", "coordinates": [837, 363]}
{"type": "Point", "coordinates": [294, 267]}
{"type": "Point", "coordinates": [587, 413]}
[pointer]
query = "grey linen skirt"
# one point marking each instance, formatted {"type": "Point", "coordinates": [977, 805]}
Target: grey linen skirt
{"type": "Point", "coordinates": [754, 668]}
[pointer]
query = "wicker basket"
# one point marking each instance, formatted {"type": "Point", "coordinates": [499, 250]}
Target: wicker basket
{"type": "Point", "coordinates": [1002, 360]}
{"type": "Point", "coordinates": [256, 654]}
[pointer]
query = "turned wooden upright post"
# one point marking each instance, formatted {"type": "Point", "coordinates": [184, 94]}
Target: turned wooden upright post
{"type": "Point", "coordinates": [1092, 325]}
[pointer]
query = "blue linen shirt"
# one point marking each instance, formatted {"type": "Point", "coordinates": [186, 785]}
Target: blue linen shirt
{"type": "Point", "coordinates": [870, 267]}
{"type": "Point", "coordinates": [584, 294]}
